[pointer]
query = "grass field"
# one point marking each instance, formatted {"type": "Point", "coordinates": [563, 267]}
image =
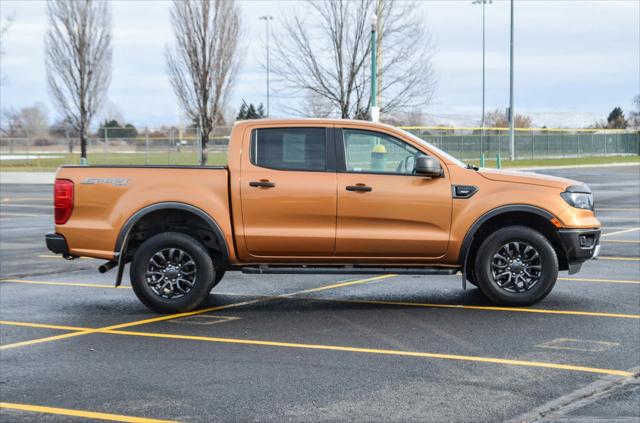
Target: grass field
{"type": "Point", "coordinates": [49, 162]}
{"type": "Point", "coordinates": [561, 162]}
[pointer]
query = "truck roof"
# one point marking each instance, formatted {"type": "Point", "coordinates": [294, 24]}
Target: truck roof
{"type": "Point", "coordinates": [311, 121]}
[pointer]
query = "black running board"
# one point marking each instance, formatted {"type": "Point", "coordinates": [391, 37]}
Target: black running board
{"type": "Point", "coordinates": [260, 270]}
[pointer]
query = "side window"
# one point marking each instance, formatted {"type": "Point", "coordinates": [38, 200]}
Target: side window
{"type": "Point", "coordinates": [289, 148]}
{"type": "Point", "coordinates": [367, 152]}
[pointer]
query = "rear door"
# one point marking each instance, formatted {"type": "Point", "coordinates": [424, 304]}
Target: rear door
{"type": "Point", "coordinates": [288, 191]}
{"type": "Point", "coordinates": [384, 208]}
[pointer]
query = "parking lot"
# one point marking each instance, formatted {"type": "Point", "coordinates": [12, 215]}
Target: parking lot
{"type": "Point", "coordinates": [320, 348]}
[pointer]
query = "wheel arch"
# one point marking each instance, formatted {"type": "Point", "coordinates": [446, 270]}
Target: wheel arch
{"type": "Point", "coordinates": [517, 214]}
{"type": "Point", "coordinates": [164, 209]}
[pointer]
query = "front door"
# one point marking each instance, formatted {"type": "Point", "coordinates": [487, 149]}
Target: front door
{"type": "Point", "coordinates": [384, 208]}
{"type": "Point", "coordinates": [288, 191]}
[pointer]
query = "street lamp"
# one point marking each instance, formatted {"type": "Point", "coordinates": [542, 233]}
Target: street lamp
{"type": "Point", "coordinates": [483, 3]}
{"type": "Point", "coordinates": [266, 19]}
{"type": "Point", "coordinates": [375, 110]}
{"type": "Point", "coordinates": [512, 137]}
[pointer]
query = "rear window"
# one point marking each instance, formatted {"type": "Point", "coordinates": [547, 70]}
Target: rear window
{"type": "Point", "coordinates": [290, 148]}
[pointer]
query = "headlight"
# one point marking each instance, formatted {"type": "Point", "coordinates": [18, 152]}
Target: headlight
{"type": "Point", "coordinates": [580, 200]}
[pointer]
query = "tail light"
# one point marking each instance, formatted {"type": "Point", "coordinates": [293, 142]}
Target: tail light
{"type": "Point", "coordinates": [63, 200]}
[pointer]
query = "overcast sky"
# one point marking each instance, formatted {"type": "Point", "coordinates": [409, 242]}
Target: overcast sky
{"type": "Point", "coordinates": [570, 56]}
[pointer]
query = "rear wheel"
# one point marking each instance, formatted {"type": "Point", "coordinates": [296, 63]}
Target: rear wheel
{"type": "Point", "coordinates": [172, 272]}
{"type": "Point", "coordinates": [516, 266]}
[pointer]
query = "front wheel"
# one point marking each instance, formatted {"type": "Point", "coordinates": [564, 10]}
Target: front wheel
{"type": "Point", "coordinates": [171, 272]}
{"type": "Point", "coordinates": [516, 266]}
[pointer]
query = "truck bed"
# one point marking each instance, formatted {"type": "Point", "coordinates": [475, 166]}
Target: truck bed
{"type": "Point", "coordinates": [106, 197]}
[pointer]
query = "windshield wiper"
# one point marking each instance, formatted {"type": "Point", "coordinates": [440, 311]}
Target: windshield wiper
{"type": "Point", "coordinates": [470, 166]}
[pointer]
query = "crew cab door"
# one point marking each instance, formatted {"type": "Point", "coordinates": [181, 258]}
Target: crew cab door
{"type": "Point", "coordinates": [288, 192]}
{"type": "Point", "coordinates": [384, 208]}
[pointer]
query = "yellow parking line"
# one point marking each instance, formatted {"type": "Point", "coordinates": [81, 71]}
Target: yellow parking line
{"type": "Point", "coordinates": [342, 284]}
{"type": "Point", "coordinates": [620, 241]}
{"type": "Point", "coordinates": [41, 325]}
{"type": "Point", "coordinates": [381, 351]}
{"type": "Point", "coordinates": [79, 413]}
{"type": "Point", "coordinates": [345, 348]}
{"type": "Point", "coordinates": [488, 308]}
{"type": "Point", "coordinates": [175, 316]}
{"type": "Point", "coordinates": [620, 232]}
{"type": "Point", "coordinates": [85, 285]}
{"type": "Point", "coordinates": [619, 258]}
{"type": "Point", "coordinates": [624, 281]}
{"type": "Point", "coordinates": [216, 308]}
{"type": "Point", "coordinates": [43, 340]}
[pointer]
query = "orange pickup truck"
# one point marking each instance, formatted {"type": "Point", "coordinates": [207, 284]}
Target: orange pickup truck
{"type": "Point", "coordinates": [324, 196]}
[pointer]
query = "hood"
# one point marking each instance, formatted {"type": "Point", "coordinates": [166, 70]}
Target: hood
{"type": "Point", "coordinates": [527, 178]}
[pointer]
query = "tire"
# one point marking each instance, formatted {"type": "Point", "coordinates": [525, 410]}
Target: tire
{"type": "Point", "coordinates": [516, 266]}
{"type": "Point", "coordinates": [172, 272]}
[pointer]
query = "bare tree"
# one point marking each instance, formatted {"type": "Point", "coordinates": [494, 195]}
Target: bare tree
{"type": "Point", "coordinates": [499, 119]}
{"type": "Point", "coordinates": [34, 121]}
{"type": "Point", "coordinates": [10, 123]}
{"type": "Point", "coordinates": [314, 106]}
{"type": "Point", "coordinates": [78, 60]}
{"type": "Point", "coordinates": [325, 49]}
{"type": "Point", "coordinates": [203, 63]}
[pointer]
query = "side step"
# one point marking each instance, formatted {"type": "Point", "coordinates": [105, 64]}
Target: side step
{"type": "Point", "coordinates": [307, 270]}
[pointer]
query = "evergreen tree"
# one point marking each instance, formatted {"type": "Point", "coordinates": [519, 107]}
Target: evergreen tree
{"type": "Point", "coordinates": [251, 112]}
{"type": "Point", "coordinates": [242, 114]}
{"type": "Point", "coordinates": [616, 119]}
{"type": "Point", "coordinates": [110, 126]}
{"type": "Point", "coordinates": [129, 131]}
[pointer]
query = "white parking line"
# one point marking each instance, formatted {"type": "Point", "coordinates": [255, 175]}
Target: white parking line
{"type": "Point", "coordinates": [620, 232]}
{"type": "Point", "coordinates": [33, 206]}
{"type": "Point", "coordinates": [3, 214]}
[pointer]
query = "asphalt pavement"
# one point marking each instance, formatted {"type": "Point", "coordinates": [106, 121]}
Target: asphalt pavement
{"type": "Point", "coordinates": [320, 348]}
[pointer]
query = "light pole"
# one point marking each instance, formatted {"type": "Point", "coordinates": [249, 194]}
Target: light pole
{"type": "Point", "coordinates": [483, 2]}
{"type": "Point", "coordinates": [375, 110]}
{"type": "Point", "coordinates": [266, 19]}
{"type": "Point", "coordinates": [512, 139]}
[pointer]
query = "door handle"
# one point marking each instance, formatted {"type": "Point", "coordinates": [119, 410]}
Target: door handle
{"type": "Point", "coordinates": [360, 188]}
{"type": "Point", "coordinates": [262, 184]}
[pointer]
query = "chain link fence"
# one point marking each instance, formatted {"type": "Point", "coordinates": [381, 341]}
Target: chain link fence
{"type": "Point", "coordinates": [115, 146]}
{"type": "Point", "coordinates": [531, 143]}
{"type": "Point", "coordinates": [176, 146]}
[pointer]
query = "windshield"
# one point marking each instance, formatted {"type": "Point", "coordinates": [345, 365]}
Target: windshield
{"type": "Point", "coordinates": [437, 150]}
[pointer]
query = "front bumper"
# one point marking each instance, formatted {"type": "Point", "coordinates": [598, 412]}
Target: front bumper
{"type": "Point", "coordinates": [57, 244]}
{"type": "Point", "coordinates": [579, 245]}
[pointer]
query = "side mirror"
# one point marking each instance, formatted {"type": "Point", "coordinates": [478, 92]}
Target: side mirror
{"type": "Point", "coordinates": [428, 166]}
